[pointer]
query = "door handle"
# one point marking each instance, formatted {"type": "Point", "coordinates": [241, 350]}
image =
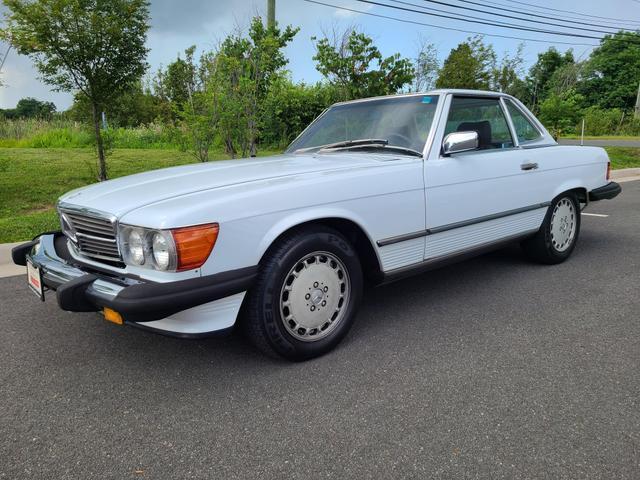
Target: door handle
{"type": "Point", "coordinates": [529, 166]}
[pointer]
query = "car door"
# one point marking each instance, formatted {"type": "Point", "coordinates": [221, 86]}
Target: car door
{"type": "Point", "coordinates": [480, 197]}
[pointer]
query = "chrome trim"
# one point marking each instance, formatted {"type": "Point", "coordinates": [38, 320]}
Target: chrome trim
{"type": "Point", "coordinates": [91, 215]}
{"type": "Point", "coordinates": [458, 142]}
{"type": "Point", "coordinates": [92, 237]}
{"type": "Point", "coordinates": [464, 223]}
{"type": "Point", "coordinates": [56, 271]}
{"type": "Point", "coordinates": [512, 128]}
{"type": "Point", "coordinates": [87, 211]}
{"type": "Point", "coordinates": [442, 260]}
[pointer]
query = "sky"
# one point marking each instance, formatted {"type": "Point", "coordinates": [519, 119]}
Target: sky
{"type": "Point", "coordinates": [176, 25]}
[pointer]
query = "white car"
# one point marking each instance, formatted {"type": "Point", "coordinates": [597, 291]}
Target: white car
{"type": "Point", "coordinates": [374, 189]}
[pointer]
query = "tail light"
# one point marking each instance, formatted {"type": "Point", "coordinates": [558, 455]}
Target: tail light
{"type": "Point", "coordinates": [608, 170]}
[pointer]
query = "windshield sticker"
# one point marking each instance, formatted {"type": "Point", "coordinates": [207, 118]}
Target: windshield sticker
{"type": "Point", "coordinates": [426, 99]}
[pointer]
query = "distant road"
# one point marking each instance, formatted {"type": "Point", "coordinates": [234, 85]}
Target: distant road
{"type": "Point", "coordinates": [601, 143]}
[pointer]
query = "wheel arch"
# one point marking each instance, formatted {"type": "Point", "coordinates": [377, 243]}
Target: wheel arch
{"type": "Point", "coordinates": [347, 226]}
{"type": "Point", "coordinates": [575, 187]}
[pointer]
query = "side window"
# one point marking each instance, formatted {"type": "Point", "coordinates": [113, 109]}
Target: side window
{"type": "Point", "coordinates": [525, 130]}
{"type": "Point", "coordinates": [482, 115]}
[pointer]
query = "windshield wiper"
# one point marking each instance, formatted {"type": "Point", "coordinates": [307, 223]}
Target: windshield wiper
{"type": "Point", "coordinates": [385, 146]}
{"type": "Point", "coordinates": [346, 143]}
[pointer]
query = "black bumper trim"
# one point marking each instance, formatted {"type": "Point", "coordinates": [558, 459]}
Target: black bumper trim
{"type": "Point", "coordinates": [610, 190]}
{"type": "Point", "coordinates": [146, 302]}
{"type": "Point", "coordinates": [19, 252]}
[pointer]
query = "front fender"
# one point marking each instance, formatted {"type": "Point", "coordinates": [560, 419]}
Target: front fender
{"type": "Point", "coordinates": [301, 217]}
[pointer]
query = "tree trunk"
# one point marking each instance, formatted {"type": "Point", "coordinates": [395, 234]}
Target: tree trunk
{"type": "Point", "coordinates": [102, 163]}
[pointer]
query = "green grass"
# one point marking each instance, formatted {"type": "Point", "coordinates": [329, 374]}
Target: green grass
{"type": "Point", "coordinates": [624, 157]}
{"type": "Point", "coordinates": [32, 179]}
{"type": "Point", "coordinates": [601, 137]}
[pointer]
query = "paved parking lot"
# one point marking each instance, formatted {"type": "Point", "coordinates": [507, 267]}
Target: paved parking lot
{"type": "Point", "coordinates": [492, 368]}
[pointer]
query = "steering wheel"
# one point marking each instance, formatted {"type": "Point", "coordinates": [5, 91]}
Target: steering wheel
{"type": "Point", "coordinates": [404, 140]}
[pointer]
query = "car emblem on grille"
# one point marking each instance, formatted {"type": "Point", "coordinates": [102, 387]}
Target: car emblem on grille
{"type": "Point", "coordinates": [67, 228]}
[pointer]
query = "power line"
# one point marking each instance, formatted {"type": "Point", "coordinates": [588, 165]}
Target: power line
{"type": "Point", "coordinates": [480, 22]}
{"type": "Point", "coordinates": [533, 15]}
{"type": "Point", "coordinates": [474, 18]}
{"type": "Point", "coordinates": [615, 24]}
{"type": "Point", "coordinates": [438, 2]}
{"type": "Point", "coordinates": [452, 29]}
{"type": "Point", "coordinates": [624, 20]}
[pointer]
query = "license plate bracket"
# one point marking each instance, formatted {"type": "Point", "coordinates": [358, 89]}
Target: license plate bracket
{"type": "Point", "coordinates": [34, 279]}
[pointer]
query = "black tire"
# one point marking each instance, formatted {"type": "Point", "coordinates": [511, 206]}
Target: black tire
{"type": "Point", "coordinates": [262, 316]}
{"type": "Point", "coordinates": [543, 247]}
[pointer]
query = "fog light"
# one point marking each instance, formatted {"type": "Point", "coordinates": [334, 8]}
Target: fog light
{"type": "Point", "coordinates": [112, 316]}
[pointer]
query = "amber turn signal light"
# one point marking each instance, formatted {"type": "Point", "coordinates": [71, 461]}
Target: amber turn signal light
{"type": "Point", "coordinates": [112, 316]}
{"type": "Point", "coordinates": [194, 244]}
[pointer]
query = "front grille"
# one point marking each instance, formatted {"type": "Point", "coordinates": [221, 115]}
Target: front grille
{"type": "Point", "coordinates": [92, 235]}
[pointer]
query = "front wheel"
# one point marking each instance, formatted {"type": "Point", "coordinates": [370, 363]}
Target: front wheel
{"type": "Point", "coordinates": [306, 296]}
{"type": "Point", "coordinates": [558, 235]}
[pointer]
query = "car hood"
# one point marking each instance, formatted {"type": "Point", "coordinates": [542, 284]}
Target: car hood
{"type": "Point", "coordinates": [125, 194]}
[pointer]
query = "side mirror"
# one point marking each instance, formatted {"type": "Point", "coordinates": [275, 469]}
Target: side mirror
{"type": "Point", "coordinates": [457, 142]}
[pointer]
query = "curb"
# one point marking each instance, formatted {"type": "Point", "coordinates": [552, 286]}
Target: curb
{"type": "Point", "coordinates": [625, 174]}
{"type": "Point", "coordinates": [7, 267]}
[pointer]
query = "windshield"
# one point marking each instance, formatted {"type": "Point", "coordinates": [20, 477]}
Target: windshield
{"type": "Point", "coordinates": [401, 121]}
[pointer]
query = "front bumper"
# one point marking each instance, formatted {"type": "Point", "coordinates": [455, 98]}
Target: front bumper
{"type": "Point", "coordinates": [81, 288]}
{"type": "Point", "coordinates": [610, 190]}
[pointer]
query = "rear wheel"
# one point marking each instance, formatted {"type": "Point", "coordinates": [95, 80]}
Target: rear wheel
{"type": "Point", "coordinates": [306, 295]}
{"type": "Point", "coordinates": [558, 235]}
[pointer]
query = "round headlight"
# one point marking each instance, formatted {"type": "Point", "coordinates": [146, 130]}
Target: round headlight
{"type": "Point", "coordinates": [161, 251]}
{"type": "Point", "coordinates": [135, 244]}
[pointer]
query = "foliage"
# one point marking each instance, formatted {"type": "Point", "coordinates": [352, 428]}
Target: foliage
{"type": "Point", "coordinates": [542, 72]}
{"type": "Point", "coordinates": [560, 113]}
{"type": "Point", "coordinates": [612, 72]}
{"type": "Point", "coordinates": [133, 107]}
{"type": "Point", "coordinates": [426, 67]}
{"type": "Point", "coordinates": [470, 65]}
{"type": "Point", "coordinates": [222, 97]}
{"type": "Point", "coordinates": [289, 107]}
{"type": "Point", "coordinates": [508, 75]}
{"type": "Point", "coordinates": [30, 108]}
{"type": "Point", "coordinates": [92, 46]}
{"type": "Point", "coordinates": [355, 66]}
{"type": "Point", "coordinates": [61, 133]}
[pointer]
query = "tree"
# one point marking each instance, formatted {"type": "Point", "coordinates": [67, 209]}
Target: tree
{"type": "Point", "coordinates": [540, 76]}
{"type": "Point", "coordinates": [131, 108]}
{"type": "Point", "coordinates": [222, 95]}
{"type": "Point", "coordinates": [426, 67]}
{"type": "Point", "coordinates": [507, 77]}
{"type": "Point", "coordinates": [95, 47]}
{"type": "Point", "coordinates": [357, 68]}
{"type": "Point", "coordinates": [612, 73]}
{"type": "Point", "coordinates": [561, 113]}
{"type": "Point", "coordinates": [470, 65]}
{"type": "Point", "coordinates": [31, 108]}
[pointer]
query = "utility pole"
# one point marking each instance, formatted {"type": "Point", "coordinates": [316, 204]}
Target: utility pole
{"type": "Point", "coordinates": [6, 54]}
{"type": "Point", "coordinates": [271, 13]}
{"type": "Point", "coordinates": [637, 109]}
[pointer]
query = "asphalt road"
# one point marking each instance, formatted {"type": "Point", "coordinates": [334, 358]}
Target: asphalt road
{"type": "Point", "coordinates": [601, 143]}
{"type": "Point", "coordinates": [492, 368]}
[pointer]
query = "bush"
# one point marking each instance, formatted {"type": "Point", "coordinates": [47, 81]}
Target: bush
{"type": "Point", "coordinates": [598, 121]}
